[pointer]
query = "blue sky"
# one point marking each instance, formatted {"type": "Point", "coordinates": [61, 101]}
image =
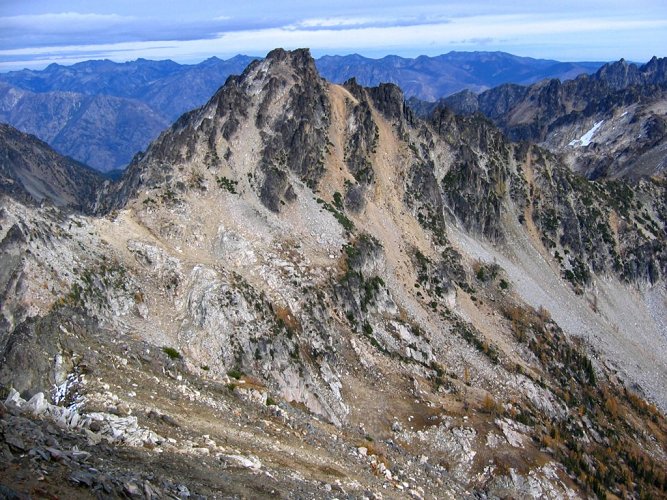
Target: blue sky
{"type": "Point", "coordinates": [35, 33]}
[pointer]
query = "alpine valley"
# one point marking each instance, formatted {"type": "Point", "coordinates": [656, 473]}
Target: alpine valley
{"type": "Point", "coordinates": [304, 289]}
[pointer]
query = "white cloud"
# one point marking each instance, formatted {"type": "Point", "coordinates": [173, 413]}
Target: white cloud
{"type": "Point", "coordinates": [68, 20]}
{"type": "Point", "coordinates": [523, 34]}
{"type": "Point", "coordinates": [331, 22]}
{"type": "Point", "coordinates": [387, 38]}
{"type": "Point", "coordinates": [342, 22]}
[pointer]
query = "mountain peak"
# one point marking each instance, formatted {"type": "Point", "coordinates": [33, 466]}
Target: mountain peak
{"type": "Point", "coordinates": [280, 54]}
{"type": "Point", "coordinates": [655, 71]}
{"type": "Point", "coordinates": [420, 302]}
{"type": "Point", "coordinates": [619, 74]}
{"type": "Point", "coordinates": [283, 98]}
{"type": "Point", "coordinates": [299, 59]}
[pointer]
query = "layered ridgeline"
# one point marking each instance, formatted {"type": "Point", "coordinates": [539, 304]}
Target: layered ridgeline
{"type": "Point", "coordinates": [167, 87]}
{"type": "Point", "coordinates": [102, 113]}
{"type": "Point", "coordinates": [609, 124]}
{"type": "Point", "coordinates": [430, 78]}
{"type": "Point", "coordinates": [103, 131]}
{"type": "Point", "coordinates": [309, 289]}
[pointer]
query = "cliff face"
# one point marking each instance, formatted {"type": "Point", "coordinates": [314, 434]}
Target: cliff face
{"type": "Point", "coordinates": [305, 279]}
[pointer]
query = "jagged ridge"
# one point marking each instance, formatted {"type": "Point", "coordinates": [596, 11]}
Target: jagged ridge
{"type": "Point", "coordinates": [551, 112]}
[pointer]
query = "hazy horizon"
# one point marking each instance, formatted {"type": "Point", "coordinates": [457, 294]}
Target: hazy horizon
{"type": "Point", "coordinates": [258, 56]}
{"type": "Point", "coordinates": [37, 33]}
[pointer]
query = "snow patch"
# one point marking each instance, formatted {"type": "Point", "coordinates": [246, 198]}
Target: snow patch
{"type": "Point", "coordinates": [585, 139]}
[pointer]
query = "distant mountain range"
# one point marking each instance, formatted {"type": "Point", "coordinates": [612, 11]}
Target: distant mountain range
{"type": "Point", "coordinates": [167, 87]}
{"type": "Point", "coordinates": [100, 130]}
{"type": "Point", "coordinates": [430, 78]}
{"type": "Point", "coordinates": [102, 113]}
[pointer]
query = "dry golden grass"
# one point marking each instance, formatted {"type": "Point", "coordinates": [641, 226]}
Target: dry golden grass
{"type": "Point", "coordinates": [288, 319]}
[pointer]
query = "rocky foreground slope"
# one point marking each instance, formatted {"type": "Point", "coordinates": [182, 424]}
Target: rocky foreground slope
{"type": "Point", "coordinates": [303, 290]}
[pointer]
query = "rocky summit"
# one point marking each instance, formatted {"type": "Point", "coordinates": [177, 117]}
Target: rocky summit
{"type": "Point", "coordinates": [304, 290]}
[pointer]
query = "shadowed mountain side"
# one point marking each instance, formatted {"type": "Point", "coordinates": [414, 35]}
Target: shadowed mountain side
{"type": "Point", "coordinates": [33, 173]}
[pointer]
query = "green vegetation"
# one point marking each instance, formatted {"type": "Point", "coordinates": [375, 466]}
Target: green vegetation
{"type": "Point", "coordinates": [597, 227]}
{"type": "Point", "coordinates": [578, 275]}
{"type": "Point", "coordinates": [347, 224]}
{"type": "Point", "coordinates": [435, 277]}
{"type": "Point", "coordinates": [212, 160]}
{"type": "Point", "coordinates": [227, 184]}
{"type": "Point", "coordinates": [367, 331]}
{"type": "Point", "coordinates": [172, 353]}
{"type": "Point", "coordinates": [613, 461]}
{"type": "Point", "coordinates": [94, 285]}
{"type": "Point", "coordinates": [237, 374]}
{"type": "Point", "coordinates": [486, 272]}
{"type": "Point", "coordinates": [435, 223]}
{"type": "Point", "coordinates": [169, 197]}
{"type": "Point", "coordinates": [338, 201]}
{"type": "Point", "coordinates": [371, 288]}
{"type": "Point", "coordinates": [471, 335]}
